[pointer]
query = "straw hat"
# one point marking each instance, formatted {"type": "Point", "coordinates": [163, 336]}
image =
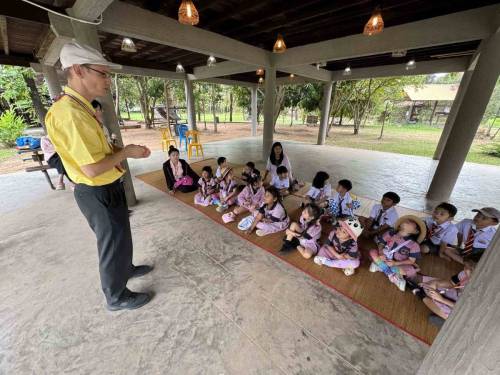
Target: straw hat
{"type": "Point", "coordinates": [352, 226]}
{"type": "Point", "coordinates": [225, 171]}
{"type": "Point", "coordinates": [418, 221]}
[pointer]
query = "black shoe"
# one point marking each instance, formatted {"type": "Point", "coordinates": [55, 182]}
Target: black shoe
{"type": "Point", "coordinates": [131, 301]}
{"type": "Point", "coordinates": [436, 320]}
{"type": "Point", "coordinates": [130, 212]}
{"type": "Point", "coordinates": [287, 247]}
{"type": "Point", "coordinates": [141, 271]}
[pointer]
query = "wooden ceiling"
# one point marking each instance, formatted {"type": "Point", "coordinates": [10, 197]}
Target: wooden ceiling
{"type": "Point", "coordinates": [253, 22]}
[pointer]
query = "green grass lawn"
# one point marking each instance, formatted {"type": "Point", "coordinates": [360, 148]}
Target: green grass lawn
{"type": "Point", "coordinates": [6, 153]}
{"type": "Point", "coordinates": [408, 139]}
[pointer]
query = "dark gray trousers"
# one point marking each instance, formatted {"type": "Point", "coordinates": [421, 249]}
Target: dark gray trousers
{"type": "Point", "coordinates": [105, 208]}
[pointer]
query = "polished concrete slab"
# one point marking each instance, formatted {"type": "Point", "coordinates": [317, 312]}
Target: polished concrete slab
{"type": "Point", "coordinates": [222, 305]}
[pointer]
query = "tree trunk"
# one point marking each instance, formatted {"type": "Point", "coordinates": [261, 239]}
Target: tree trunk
{"type": "Point", "coordinates": [383, 121]}
{"type": "Point", "coordinates": [166, 93]}
{"type": "Point", "coordinates": [128, 109]}
{"type": "Point", "coordinates": [117, 98]}
{"type": "Point", "coordinates": [40, 109]}
{"type": "Point", "coordinates": [230, 106]}
{"type": "Point", "coordinates": [204, 117]}
{"type": "Point", "coordinates": [291, 118]}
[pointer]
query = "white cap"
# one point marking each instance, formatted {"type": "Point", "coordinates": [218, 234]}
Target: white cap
{"type": "Point", "coordinates": [76, 53]}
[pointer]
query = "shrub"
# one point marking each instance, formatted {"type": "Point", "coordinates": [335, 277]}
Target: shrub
{"type": "Point", "coordinates": [492, 149]}
{"type": "Point", "coordinates": [11, 127]}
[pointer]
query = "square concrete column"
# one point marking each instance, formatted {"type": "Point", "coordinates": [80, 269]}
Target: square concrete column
{"type": "Point", "coordinates": [52, 79]}
{"type": "Point", "coordinates": [469, 341]}
{"type": "Point", "coordinates": [253, 93]}
{"type": "Point", "coordinates": [269, 100]}
{"type": "Point", "coordinates": [464, 83]}
{"type": "Point", "coordinates": [191, 113]}
{"type": "Point", "coordinates": [87, 34]}
{"type": "Point", "coordinates": [468, 118]}
{"type": "Point", "coordinates": [325, 112]}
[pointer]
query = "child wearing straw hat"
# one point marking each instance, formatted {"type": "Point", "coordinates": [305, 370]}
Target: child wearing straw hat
{"type": "Point", "coordinates": [228, 190]}
{"type": "Point", "coordinates": [398, 251]}
{"type": "Point", "coordinates": [341, 248]}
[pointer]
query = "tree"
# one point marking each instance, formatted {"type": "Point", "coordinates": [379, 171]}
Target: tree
{"type": "Point", "coordinates": [215, 98]}
{"type": "Point", "coordinates": [292, 98]}
{"type": "Point", "coordinates": [150, 90]}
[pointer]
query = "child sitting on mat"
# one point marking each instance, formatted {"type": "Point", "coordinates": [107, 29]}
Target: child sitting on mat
{"type": "Point", "coordinates": [248, 171]}
{"type": "Point", "coordinates": [281, 181]}
{"type": "Point", "coordinates": [249, 200]}
{"type": "Point", "coordinates": [207, 188]}
{"type": "Point", "coordinates": [320, 191]}
{"type": "Point", "coordinates": [341, 247]}
{"type": "Point", "coordinates": [305, 234]}
{"type": "Point", "coordinates": [228, 190]}
{"type": "Point", "coordinates": [222, 164]}
{"type": "Point", "coordinates": [440, 296]}
{"type": "Point", "coordinates": [382, 217]}
{"type": "Point", "coordinates": [340, 206]}
{"type": "Point", "coordinates": [398, 251]}
{"type": "Point", "coordinates": [441, 232]}
{"type": "Point", "coordinates": [271, 216]}
{"type": "Point", "coordinates": [474, 235]}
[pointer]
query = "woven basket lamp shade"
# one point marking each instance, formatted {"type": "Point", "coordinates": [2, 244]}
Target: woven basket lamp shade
{"type": "Point", "coordinates": [375, 24]}
{"type": "Point", "coordinates": [188, 15]}
{"type": "Point", "coordinates": [279, 45]}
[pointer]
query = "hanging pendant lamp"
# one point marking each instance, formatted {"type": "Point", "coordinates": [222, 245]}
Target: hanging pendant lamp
{"type": "Point", "coordinates": [375, 24]}
{"type": "Point", "coordinates": [279, 45]}
{"type": "Point", "coordinates": [188, 15]}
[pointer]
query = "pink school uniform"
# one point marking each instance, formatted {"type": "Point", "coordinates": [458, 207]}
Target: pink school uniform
{"type": "Point", "coordinates": [225, 189]}
{"type": "Point", "coordinates": [277, 217]}
{"type": "Point", "coordinates": [208, 192]}
{"type": "Point", "coordinates": [310, 235]}
{"type": "Point", "coordinates": [460, 280]}
{"type": "Point", "coordinates": [400, 248]}
{"type": "Point", "coordinates": [248, 197]}
{"type": "Point", "coordinates": [349, 247]}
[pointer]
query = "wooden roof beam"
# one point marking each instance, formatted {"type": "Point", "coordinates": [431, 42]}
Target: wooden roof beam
{"type": "Point", "coordinates": [4, 34]}
{"type": "Point", "coordinates": [457, 27]}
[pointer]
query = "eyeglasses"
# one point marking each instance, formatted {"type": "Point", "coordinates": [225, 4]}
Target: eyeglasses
{"type": "Point", "coordinates": [101, 73]}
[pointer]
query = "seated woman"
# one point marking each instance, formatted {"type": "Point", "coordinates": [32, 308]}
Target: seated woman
{"type": "Point", "coordinates": [278, 158]}
{"type": "Point", "coordinates": [178, 173]}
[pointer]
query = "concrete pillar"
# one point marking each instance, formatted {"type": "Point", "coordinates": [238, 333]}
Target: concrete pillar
{"type": "Point", "coordinates": [468, 118]}
{"type": "Point", "coordinates": [87, 34]}
{"type": "Point", "coordinates": [325, 112]}
{"type": "Point", "coordinates": [269, 99]}
{"type": "Point", "coordinates": [450, 120]}
{"type": "Point", "coordinates": [191, 113]}
{"type": "Point", "coordinates": [52, 79]}
{"type": "Point", "coordinates": [469, 341]}
{"type": "Point", "coordinates": [253, 93]}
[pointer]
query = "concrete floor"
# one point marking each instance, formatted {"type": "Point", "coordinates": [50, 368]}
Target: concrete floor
{"type": "Point", "coordinates": [222, 306]}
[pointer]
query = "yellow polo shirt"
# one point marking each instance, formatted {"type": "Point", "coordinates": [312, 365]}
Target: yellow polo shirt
{"type": "Point", "coordinates": [79, 139]}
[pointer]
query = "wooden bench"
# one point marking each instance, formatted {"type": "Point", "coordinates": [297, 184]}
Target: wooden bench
{"type": "Point", "coordinates": [36, 156]}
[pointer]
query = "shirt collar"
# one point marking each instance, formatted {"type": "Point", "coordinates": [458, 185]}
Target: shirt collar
{"type": "Point", "coordinates": [70, 91]}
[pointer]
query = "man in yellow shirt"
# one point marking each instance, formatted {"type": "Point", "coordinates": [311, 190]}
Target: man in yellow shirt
{"type": "Point", "coordinates": [94, 166]}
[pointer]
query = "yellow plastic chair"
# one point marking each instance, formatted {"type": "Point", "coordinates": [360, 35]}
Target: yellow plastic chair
{"type": "Point", "coordinates": [167, 139]}
{"type": "Point", "coordinates": [194, 142]}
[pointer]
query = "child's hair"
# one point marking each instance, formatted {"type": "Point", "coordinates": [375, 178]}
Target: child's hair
{"type": "Point", "coordinates": [346, 184]}
{"type": "Point", "coordinates": [392, 196]}
{"type": "Point", "coordinates": [451, 209]}
{"type": "Point", "coordinates": [274, 192]}
{"type": "Point", "coordinates": [320, 179]}
{"type": "Point", "coordinates": [171, 150]}
{"type": "Point", "coordinates": [281, 169]}
{"type": "Point", "coordinates": [254, 177]}
{"type": "Point", "coordinates": [250, 164]}
{"type": "Point", "coordinates": [221, 160]}
{"type": "Point", "coordinates": [470, 264]}
{"type": "Point", "coordinates": [207, 169]}
{"type": "Point", "coordinates": [314, 211]}
{"type": "Point", "coordinates": [414, 236]}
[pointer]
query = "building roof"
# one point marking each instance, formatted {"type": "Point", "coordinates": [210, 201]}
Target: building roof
{"type": "Point", "coordinates": [432, 92]}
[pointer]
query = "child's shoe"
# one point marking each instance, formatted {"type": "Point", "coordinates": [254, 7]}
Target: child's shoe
{"type": "Point", "coordinates": [61, 186]}
{"type": "Point", "coordinates": [399, 281]}
{"type": "Point", "coordinates": [228, 218]}
{"type": "Point", "coordinates": [260, 233]}
{"type": "Point", "coordinates": [320, 261]}
{"type": "Point", "coordinates": [374, 268]}
{"type": "Point", "coordinates": [348, 271]}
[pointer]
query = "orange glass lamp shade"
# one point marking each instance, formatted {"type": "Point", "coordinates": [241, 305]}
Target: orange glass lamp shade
{"type": "Point", "coordinates": [375, 24]}
{"type": "Point", "coordinates": [188, 15]}
{"type": "Point", "coordinates": [279, 45]}
{"type": "Point", "coordinates": [260, 72]}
